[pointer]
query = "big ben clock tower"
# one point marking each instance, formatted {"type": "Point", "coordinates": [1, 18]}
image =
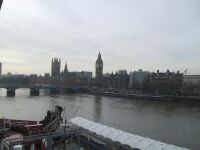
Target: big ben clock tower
{"type": "Point", "coordinates": [99, 67]}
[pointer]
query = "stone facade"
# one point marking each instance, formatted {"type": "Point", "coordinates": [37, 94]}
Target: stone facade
{"type": "Point", "coordinates": [99, 67]}
{"type": "Point", "coordinates": [139, 80]}
{"type": "Point", "coordinates": [119, 80]}
{"type": "Point", "coordinates": [166, 82]}
{"type": "Point", "coordinates": [191, 85]}
{"type": "Point", "coordinates": [55, 67]}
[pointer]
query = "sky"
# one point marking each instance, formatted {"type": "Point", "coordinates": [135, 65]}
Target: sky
{"type": "Point", "coordinates": [130, 34]}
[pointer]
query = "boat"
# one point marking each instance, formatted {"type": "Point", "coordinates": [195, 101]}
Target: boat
{"type": "Point", "coordinates": [75, 134]}
{"type": "Point", "coordinates": [14, 133]}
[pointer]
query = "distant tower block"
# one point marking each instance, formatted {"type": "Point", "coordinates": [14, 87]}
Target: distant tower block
{"type": "Point", "coordinates": [99, 67]}
{"type": "Point", "coordinates": [55, 67]}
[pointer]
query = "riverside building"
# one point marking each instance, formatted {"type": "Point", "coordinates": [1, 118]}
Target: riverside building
{"type": "Point", "coordinates": [139, 80]}
{"type": "Point", "coordinates": [191, 85]}
{"type": "Point", "coordinates": [166, 82]}
{"type": "Point", "coordinates": [119, 80]}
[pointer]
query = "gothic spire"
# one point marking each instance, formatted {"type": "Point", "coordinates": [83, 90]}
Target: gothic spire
{"type": "Point", "coordinates": [65, 69]}
{"type": "Point", "coordinates": [99, 56]}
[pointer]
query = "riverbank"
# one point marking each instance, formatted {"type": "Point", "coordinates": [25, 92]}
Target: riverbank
{"type": "Point", "coordinates": [144, 96]}
{"type": "Point", "coordinates": [188, 98]}
{"type": "Point", "coordinates": [130, 95]}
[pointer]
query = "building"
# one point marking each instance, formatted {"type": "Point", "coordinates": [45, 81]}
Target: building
{"type": "Point", "coordinates": [65, 72]}
{"type": "Point", "coordinates": [166, 82]}
{"type": "Point", "coordinates": [191, 85]}
{"type": "Point", "coordinates": [75, 78]}
{"type": "Point", "coordinates": [82, 74]}
{"type": "Point", "coordinates": [0, 68]}
{"type": "Point", "coordinates": [106, 75]}
{"type": "Point", "coordinates": [119, 80]}
{"type": "Point", "coordinates": [86, 78]}
{"type": "Point", "coordinates": [99, 67]}
{"type": "Point", "coordinates": [55, 67]}
{"type": "Point", "coordinates": [86, 74]}
{"type": "Point", "coordinates": [47, 75]}
{"type": "Point", "coordinates": [139, 80]}
{"type": "Point", "coordinates": [12, 79]}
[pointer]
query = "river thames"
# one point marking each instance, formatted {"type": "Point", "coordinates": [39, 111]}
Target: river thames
{"type": "Point", "coordinates": [175, 123]}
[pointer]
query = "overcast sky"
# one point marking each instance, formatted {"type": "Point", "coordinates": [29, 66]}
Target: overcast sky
{"type": "Point", "coordinates": [130, 34]}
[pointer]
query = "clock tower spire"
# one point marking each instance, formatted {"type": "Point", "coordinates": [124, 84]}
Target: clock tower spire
{"type": "Point", "coordinates": [99, 67]}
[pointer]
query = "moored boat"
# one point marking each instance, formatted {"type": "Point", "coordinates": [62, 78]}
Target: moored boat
{"type": "Point", "coordinates": [77, 133]}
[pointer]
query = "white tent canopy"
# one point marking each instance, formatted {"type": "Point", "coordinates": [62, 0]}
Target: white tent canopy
{"type": "Point", "coordinates": [122, 137]}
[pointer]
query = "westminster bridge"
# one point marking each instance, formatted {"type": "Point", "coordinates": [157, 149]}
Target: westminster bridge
{"type": "Point", "coordinates": [35, 88]}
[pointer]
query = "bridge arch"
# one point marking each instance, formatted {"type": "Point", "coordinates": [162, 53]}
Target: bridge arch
{"type": "Point", "coordinates": [3, 91]}
{"type": "Point", "coordinates": [22, 92]}
{"type": "Point", "coordinates": [11, 92]}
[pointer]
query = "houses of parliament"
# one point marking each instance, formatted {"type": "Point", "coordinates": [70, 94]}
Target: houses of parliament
{"type": "Point", "coordinates": [56, 69]}
{"type": "Point", "coordinates": [84, 78]}
{"type": "Point", "coordinates": [163, 82]}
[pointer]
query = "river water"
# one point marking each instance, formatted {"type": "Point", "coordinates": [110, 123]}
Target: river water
{"type": "Point", "coordinates": [175, 123]}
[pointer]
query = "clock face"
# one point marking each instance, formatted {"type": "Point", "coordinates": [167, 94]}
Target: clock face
{"type": "Point", "coordinates": [98, 65]}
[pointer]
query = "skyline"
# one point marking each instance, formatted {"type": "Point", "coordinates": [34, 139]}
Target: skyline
{"type": "Point", "coordinates": [130, 34]}
{"type": "Point", "coordinates": [93, 73]}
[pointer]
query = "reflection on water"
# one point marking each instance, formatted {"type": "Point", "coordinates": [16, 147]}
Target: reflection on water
{"type": "Point", "coordinates": [172, 122]}
{"type": "Point", "coordinates": [97, 108]}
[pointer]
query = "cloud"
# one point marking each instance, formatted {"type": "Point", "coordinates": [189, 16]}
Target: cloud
{"type": "Point", "coordinates": [130, 34]}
